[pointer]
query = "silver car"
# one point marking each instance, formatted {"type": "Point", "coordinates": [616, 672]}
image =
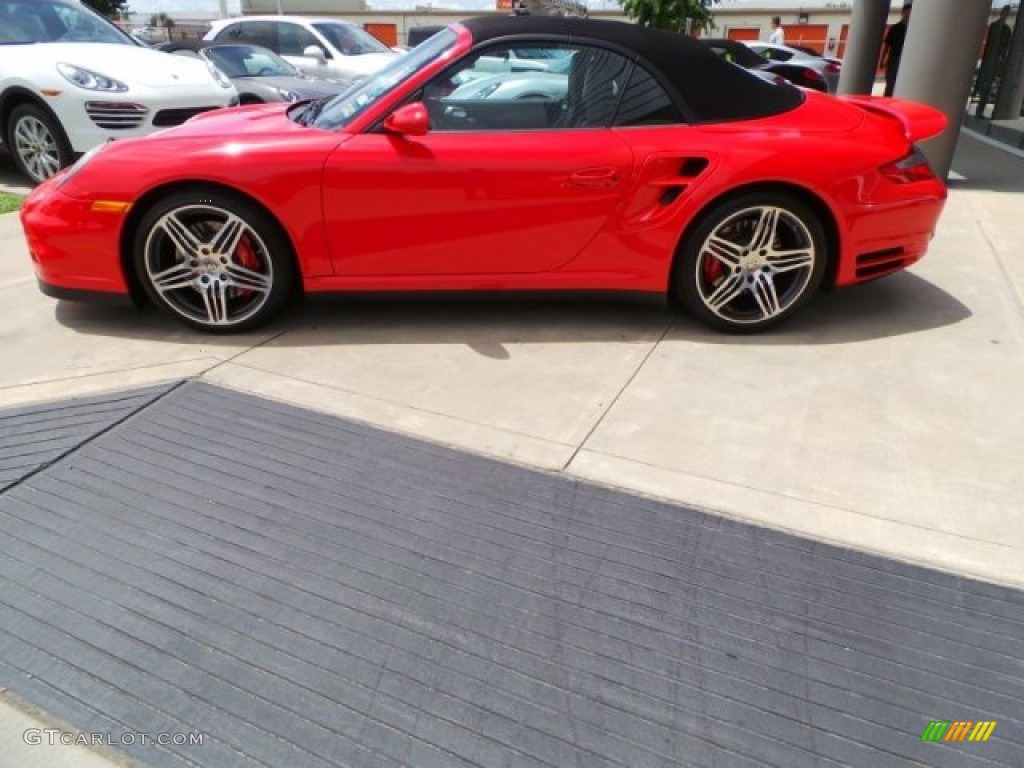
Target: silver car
{"type": "Point", "coordinates": [259, 75]}
{"type": "Point", "coordinates": [782, 55]}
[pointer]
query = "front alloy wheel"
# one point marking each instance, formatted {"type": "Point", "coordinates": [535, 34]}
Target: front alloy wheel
{"type": "Point", "coordinates": [38, 145]}
{"type": "Point", "coordinates": [752, 263]}
{"type": "Point", "coordinates": [210, 260]}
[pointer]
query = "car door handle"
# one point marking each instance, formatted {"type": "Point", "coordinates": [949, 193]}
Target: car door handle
{"type": "Point", "coordinates": [595, 178]}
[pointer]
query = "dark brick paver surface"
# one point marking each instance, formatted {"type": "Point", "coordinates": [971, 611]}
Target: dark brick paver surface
{"type": "Point", "coordinates": [307, 591]}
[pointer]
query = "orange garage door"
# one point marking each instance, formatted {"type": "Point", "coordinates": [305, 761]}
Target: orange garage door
{"type": "Point", "coordinates": [812, 35]}
{"type": "Point", "coordinates": [743, 33]}
{"type": "Point", "coordinates": [386, 33]}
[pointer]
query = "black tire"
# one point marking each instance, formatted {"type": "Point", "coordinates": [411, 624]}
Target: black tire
{"type": "Point", "coordinates": [213, 260]}
{"type": "Point", "coordinates": [751, 262]}
{"type": "Point", "coordinates": [37, 142]}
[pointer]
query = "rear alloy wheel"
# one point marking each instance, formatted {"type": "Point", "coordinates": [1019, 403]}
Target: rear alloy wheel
{"type": "Point", "coordinates": [752, 262]}
{"type": "Point", "coordinates": [37, 143]}
{"type": "Point", "coordinates": [212, 260]}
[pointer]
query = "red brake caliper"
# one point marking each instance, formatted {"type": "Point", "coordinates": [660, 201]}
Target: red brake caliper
{"type": "Point", "coordinates": [712, 269]}
{"type": "Point", "coordinates": [246, 256]}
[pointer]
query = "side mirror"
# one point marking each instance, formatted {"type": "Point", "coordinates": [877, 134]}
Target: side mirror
{"type": "Point", "coordinates": [315, 52]}
{"type": "Point", "coordinates": [410, 120]}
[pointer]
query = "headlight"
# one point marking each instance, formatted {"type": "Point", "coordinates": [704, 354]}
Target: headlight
{"type": "Point", "coordinates": [287, 95]}
{"type": "Point", "coordinates": [218, 76]}
{"type": "Point", "coordinates": [89, 80]}
{"type": "Point", "coordinates": [80, 164]}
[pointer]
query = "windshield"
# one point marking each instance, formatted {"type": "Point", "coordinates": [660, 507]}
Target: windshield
{"type": "Point", "coordinates": [43, 21]}
{"type": "Point", "coordinates": [341, 110]}
{"type": "Point", "coordinates": [350, 40]}
{"type": "Point", "coordinates": [247, 61]}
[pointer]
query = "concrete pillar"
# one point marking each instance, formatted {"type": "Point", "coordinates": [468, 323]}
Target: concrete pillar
{"type": "Point", "coordinates": [938, 64]}
{"type": "Point", "coordinates": [863, 46]}
{"type": "Point", "coordinates": [1011, 90]}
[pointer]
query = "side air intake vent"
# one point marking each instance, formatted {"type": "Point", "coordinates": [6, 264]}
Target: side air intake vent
{"type": "Point", "coordinates": [878, 263]}
{"type": "Point", "coordinates": [693, 166]}
{"type": "Point", "coordinates": [671, 194]}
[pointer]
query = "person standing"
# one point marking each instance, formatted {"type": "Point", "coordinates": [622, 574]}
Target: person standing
{"type": "Point", "coordinates": [892, 49]}
{"type": "Point", "coordinates": [993, 60]}
{"type": "Point", "coordinates": [778, 34]}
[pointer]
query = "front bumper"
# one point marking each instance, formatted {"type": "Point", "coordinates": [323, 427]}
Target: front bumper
{"type": "Point", "coordinates": [92, 297]}
{"type": "Point", "coordinates": [73, 247]}
{"type": "Point", "coordinates": [94, 119]}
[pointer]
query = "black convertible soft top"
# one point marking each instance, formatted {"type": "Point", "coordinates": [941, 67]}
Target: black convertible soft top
{"type": "Point", "coordinates": [708, 88]}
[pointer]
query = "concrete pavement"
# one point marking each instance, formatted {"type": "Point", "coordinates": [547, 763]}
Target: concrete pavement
{"type": "Point", "coordinates": [886, 418]}
{"type": "Point", "coordinates": [34, 739]}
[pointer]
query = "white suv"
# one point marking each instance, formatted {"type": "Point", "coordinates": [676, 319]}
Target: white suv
{"type": "Point", "coordinates": [70, 80]}
{"type": "Point", "coordinates": [319, 46]}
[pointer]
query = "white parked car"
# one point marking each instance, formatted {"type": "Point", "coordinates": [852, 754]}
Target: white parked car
{"type": "Point", "coordinates": [319, 46]}
{"type": "Point", "coordinates": [542, 86]}
{"type": "Point", "coordinates": [70, 80]}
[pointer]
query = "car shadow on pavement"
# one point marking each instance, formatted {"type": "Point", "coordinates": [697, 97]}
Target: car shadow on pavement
{"type": "Point", "coordinates": [486, 324]}
{"type": "Point", "coordinates": [900, 304]}
{"type": "Point", "coordinates": [895, 305]}
{"type": "Point", "coordinates": [124, 321]}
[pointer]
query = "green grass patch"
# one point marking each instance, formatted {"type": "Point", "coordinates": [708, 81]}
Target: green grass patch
{"type": "Point", "coordinates": [9, 202]}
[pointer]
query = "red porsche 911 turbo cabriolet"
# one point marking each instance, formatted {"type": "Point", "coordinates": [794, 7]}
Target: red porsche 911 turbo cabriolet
{"type": "Point", "coordinates": [623, 159]}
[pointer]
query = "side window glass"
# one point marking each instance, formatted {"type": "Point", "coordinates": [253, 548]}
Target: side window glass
{"type": "Point", "coordinates": [255, 32]}
{"type": "Point", "coordinates": [295, 39]}
{"type": "Point", "coordinates": [645, 102]}
{"type": "Point", "coordinates": [258, 62]}
{"type": "Point", "coordinates": [597, 80]}
{"type": "Point", "coordinates": [230, 32]}
{"type": "Point", "coordinates": [541, 87]}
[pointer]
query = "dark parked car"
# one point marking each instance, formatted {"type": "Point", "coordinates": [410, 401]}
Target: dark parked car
{"type": "Point", "coordinates": [259, 74]}
{"type": "Point", "coordinates": [417, 35]}
{"type": "Point", "coordinates": [803, 72]}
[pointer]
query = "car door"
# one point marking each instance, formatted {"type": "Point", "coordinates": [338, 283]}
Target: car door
{"type": "Point", "coordinates": [507, 181]}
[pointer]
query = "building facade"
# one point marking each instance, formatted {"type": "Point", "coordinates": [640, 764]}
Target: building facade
{"type": "Point", "coordinates": [823, 26]}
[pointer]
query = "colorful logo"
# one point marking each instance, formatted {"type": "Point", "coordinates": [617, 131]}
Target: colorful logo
{"type": "Point", "coordinates": [958, 730]}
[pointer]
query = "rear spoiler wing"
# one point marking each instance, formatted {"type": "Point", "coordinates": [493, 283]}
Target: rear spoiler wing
{"type": "Point", "coordinates": [919, 121]}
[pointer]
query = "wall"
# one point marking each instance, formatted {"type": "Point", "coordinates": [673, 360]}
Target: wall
{"type": "Point", "coordinates": [830, 19]}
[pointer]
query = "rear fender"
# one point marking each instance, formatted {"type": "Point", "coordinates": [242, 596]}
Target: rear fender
{"type": "Point", "coordinates": [919, 121]}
